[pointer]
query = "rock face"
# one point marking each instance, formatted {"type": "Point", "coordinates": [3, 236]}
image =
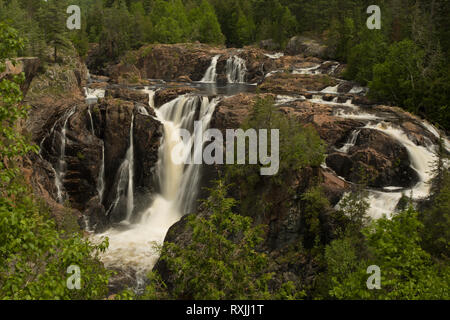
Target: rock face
{"type": "Point", "coordinates": [189, 62]}
{"type": "Point", "coordinates": [306, 46]}
{"type": "Point", "coordinates": [28, 65]}
{"type": "Point", "coordinates": [165, 95]}
{"type": "Point", "coordinates": [287, 83]}
{"type": "Point", "coordinates": [127, 94]}
{"type": "Point", "coordinates": [385, 161]}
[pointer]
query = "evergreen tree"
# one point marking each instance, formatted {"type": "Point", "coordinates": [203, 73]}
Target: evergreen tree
{"type": "Point", "coordinates": [52, 20]}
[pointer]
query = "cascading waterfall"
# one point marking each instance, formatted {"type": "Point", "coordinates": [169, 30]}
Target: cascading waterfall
{"type": "Point", "coordinates": [91, 120]}
{"type": "Point", "coordinates": [101, 175]}
{"type": "Point", "coordinates": [332, 90]}
{"type": "Point", "coordinates": [60, 169]}
{"type": "Point", "coordinates": [125, 178]}
{"type": "Point", "coordinates": [92, 95]}
{"type": "Point", "coordinates": [422, 160]}
{"type": "Point", "coordinates": [351, 142]}
{"type": "Point", "coordinates": [130, 159]}
{"type": "Point", "coordinates": [211, 75]}
{"type": "Point", "coordinates": [236, 70]}
{"type": "Point", "coordinates": [178, 185]}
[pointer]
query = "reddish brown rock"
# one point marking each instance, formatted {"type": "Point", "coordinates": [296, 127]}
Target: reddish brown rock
{"type": "Point", "coordinates": [128, 94]}
{"type": "Point", "coordinates": [165, 95]}
{"type": "Point", "coordinates": [287, 83]}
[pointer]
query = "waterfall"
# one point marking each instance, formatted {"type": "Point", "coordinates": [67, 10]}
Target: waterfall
{"type": "Point", "coordinates": [130, 159]}
{"type": "Point", "coordinates": [236, 70]}
{"type": "Point", "coordinates": [91, 121]}
{"type": "Point", "coordinates": [422, 160]}
{"type": "Point", "coordinates": [331, 89]}
{"type": "Point", "coordinates": [125, 179]}
{"type": "Point", "coordinates": [211, 75]}
{"type": "Point", "coordinates": [178, 185]}
{"type": "Point", "coordinates": [92, 95]}
{"type": "Point", "coordinates": [311, 70]}
{"type": "Point", "coordinates": [60, 169]}
{"type": "Point", "coordinates": [274, 56]}
{"type": "Point", "coordinates": [101, 175]}
{"type": "Point", "coordinates": [351, 142]}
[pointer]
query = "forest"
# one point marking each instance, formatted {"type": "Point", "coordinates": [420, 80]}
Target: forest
{"type": "Point", "coordinates": [406, 63]}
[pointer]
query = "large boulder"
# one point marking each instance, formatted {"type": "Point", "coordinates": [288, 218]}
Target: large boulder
{"type": "Point", "coordinates": [307, 47]}
{"type": "Point", "coordinates": [375, 154]}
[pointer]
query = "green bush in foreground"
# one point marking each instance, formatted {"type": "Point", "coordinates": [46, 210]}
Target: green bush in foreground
{"type": "Point", "coordinates": [34, 254]}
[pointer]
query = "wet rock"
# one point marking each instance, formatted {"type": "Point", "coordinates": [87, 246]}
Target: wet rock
{"type": "Point", "coordinates": [147, 138]}
{"type": "Point", "coordinates": [98, 85]}
{"type": "Point", "coordinates": [345, 87]}
{"type": "Point", "coordinates": [285, 83]}
{"type": "Point", "coordinates": [165, 95]}
{"type": "Point", "coordinates": [127, 94]}
{"type": "Point", "coordinates": [384, 160]}
{"type": "Point", "coordinates": [96, 216]}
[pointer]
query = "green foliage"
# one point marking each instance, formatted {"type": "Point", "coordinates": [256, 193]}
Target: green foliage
{"type": "Point", "coordinates": [206, 27]}
{"type": "Point", "coordinates": [221, 261]}
{"type": "Point", "coordinates": [407, 271]}
{"type": "Point", "coordinates": [314, 205]}
{"type": "Point", "coordinates": [34, 254]}
{"type": "Point", "coordinates": [436, 218]}
{"type": "Point", "coordinates": [299, 147]}
{"type": "Point", "coordinates": [401, 71]}
{"type": "Point", "coordinates": [54, 25]}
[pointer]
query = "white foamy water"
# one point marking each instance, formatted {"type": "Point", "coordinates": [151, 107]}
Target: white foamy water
{"type": "Point", "coordinates": [283, 99]}
{"type": "Point", "coordinates": [319, 99]}
{"type": "Point", "coordinates": [436, 133]}
{"type": "Point", "coordinates": [311, 70]}
{"type": "Point", "coordinates": [274, 56]}
{"type": "Point", "coordinates": [422, 160]}
{"type": "Point", "coordinates": [331, 89]}
{"type": "Point", "coordinates": [351, 142]}
{"type": "Point", "coordinates": [211, 75]}
{"type": "Point", "coordinates": [61, 167]}
{"type": "Point", "coordinates": [92, 95]}
{"type": "Point", "coordinates": [357, 90]}
{"type": "Point", "coordinates": [133, 247]}
{"type": "Point", "coordinates": [236, 70]}
{"type": "Point", "coordinates": [356, 115]}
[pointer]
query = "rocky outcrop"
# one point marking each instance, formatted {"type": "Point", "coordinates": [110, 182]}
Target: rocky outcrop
{"type": "Point", "coordinates": [127, 94]}
{"type": "Point", "coordinates": [167, 62]}
{"type": "Point", "coordinates": [384, 160]}
{"type": "Point", "coordinates": [189, 62]}
{"type": "Point", "coordinates": [28, 65]}
{"type": "Point", "coordinates": [165, 95]}
{"type": "Point", "coordinates": [307, 47]}
{"type": "Point", "coordinates": [287, 83]}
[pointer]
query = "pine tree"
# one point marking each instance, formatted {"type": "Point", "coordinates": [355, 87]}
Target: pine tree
{"type": "Point", "coordinates": [53, 22]}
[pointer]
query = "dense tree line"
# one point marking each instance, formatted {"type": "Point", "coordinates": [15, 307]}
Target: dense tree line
{"type": "Point", "coordinates": [406, 63]}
